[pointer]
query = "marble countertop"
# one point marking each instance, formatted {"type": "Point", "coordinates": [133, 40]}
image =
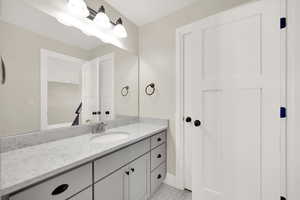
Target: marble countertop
{"type": "Point", "coordinates": [23, 167]}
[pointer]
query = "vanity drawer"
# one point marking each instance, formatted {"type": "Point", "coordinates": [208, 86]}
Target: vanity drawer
{"type": "Point", "coordinates": [158, 139]}
{"type": "Point", "coordinates": [158, 156]}
{"type": "Point", "coordinates": [84, 195]}
{"type": "Point", "coordinates": [157, 177]}
{"type": "Point", "coordinates": [110, 163]}
{"type": "Point", "coordinates": [60, 187]}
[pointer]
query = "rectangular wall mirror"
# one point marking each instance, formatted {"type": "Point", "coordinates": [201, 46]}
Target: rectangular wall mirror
{"type": "Point", "coordinates": [60, 74]}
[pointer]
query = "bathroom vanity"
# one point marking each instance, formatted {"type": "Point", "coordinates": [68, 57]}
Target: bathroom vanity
{"type": "Point", "coordinates": [84, 168]}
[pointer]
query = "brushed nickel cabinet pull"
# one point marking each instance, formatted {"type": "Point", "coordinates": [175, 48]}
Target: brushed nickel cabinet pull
{"type": "Point", "coordinates": [60, 189]}
{"type": "Point", "coordinates": [3, 72]}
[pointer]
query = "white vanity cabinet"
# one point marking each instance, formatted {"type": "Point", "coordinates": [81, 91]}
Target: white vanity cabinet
{"type": "Point", "coordinates": [132, 181]}
{"type": "Point", "coordinates": [128, 183]}
{"type": "Point", "coordinates": [138, 181]}
{"type": "Point", "coordinates": [87, 194]}
{"type": "Point", "coordinates": [60, 187]}
{"type": "Point", "coordinates": [158, 161]}
{"type": "Point", "coordinates": [111, 187]}
{"type": "Point", "coordinates": [130, 173]}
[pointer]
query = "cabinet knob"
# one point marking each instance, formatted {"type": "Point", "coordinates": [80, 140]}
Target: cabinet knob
{"type": "Point", "coordinates": [96, 113]}
{"type": "Point", "coordinates": [127, 172]}
{"type": "Point", "coordinates": [197, 123]}
{"type": "Point", "coordinates": [159, 156]}
{"type": "Point", "coordinates": [158, 139]}
{"type": "Point", "coordinates": [188, 119]}
{"type": "Point", "coordinates": [159, 176]}
{"type": "Point", "coordinates": [3, 72]}
{"type": "Point", "coordinates": [60, 189]}
{"type": "Point", "coordinates": [132, 169]}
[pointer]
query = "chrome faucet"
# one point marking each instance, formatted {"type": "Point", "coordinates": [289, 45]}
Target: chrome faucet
{"type": "Point", "coordinates": [99, 128]}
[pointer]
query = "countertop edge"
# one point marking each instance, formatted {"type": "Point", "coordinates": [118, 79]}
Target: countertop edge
{"type": "Point", "coordinates": [44, 177]}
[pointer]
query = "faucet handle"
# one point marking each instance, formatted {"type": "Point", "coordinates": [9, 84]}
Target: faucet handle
{"type": "Point", "coordinates": [103, 124]}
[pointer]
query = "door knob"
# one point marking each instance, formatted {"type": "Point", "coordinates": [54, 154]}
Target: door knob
{"type": "Point", "coordinates": [197, 123]}
{"type": "Point", "coordinates": [188, 119]}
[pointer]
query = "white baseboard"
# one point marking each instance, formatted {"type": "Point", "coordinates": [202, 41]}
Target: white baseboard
{"type": "Point", "coordinates": [171, 180]}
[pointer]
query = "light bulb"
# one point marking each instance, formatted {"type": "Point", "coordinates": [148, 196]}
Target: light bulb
{"type": "Point", "coordinates": [102, 20]}
{"type": "Point", "coordinates": [78, 7]}
{"type": "Point", "coordinates": [120, 31]}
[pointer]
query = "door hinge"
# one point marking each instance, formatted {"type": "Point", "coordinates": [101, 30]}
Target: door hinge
{"type": "Point", "coordinates": [282, 112]}
{"type": "Point", "coordinates": [282, 198]}
{"type": "Point", "coordinates": [283, 22]}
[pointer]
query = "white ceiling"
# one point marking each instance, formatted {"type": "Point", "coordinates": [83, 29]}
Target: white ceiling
{"type": "Point", "coordinates": [142, 12]}
{"type": "Point", "coordinates": [19, 13]}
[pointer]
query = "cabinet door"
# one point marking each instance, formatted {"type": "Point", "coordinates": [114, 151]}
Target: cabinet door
{"type": "Point", "coordinates": [139, 178]}
{"type": "Point", "coordinates": [84, 195]}
{"type": "Point", "coordinates": [112, 187]}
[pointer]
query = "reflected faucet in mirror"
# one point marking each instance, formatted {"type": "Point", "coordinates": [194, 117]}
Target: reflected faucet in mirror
{"type": "Point", "coordinates": [77, 113]}
{"type": "Point", "coordinates": [99, 128]}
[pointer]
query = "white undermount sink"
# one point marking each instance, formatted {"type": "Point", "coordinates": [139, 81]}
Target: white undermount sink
{"type": "Point", "coordinates": [109, 137]}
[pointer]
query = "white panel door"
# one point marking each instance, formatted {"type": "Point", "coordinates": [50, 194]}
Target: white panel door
{"type": "Point", "coordinates": [90, 91]}
{"type": "Point", "coordinates": [235, 94]}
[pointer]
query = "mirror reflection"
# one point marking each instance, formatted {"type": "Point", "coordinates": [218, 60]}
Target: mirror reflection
{"type": "Point", "coordinates": [61, 76]}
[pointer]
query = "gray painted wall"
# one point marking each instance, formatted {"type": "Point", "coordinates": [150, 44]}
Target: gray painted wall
{"type": "Point", "coordinates": [20, 96]}
{"type": "Point", "coordinates": [63, 101]}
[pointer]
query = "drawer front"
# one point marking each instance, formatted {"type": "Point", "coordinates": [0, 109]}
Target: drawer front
{"type": "Point", "coordinates": [158, 139]}
{"type": "Point", "coordinates": [110, 163]}
{"type": "Point", "coordinates": [157, 177]}
{"type": "Point", "coordinates": [158, 156]}
{"type": "Point", "coordinates": [60, 187]}
{"type": "Point", "coordinates": [84, 195]}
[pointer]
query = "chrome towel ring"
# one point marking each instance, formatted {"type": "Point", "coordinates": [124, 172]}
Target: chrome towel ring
{"type": "Point", "coordinates": [125, 91]}
{"type": "Point", "coordinates": [150, 89]}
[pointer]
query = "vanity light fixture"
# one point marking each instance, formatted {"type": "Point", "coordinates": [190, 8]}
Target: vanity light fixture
{"type": "Point", "coordinates": [91, 22]}
{"type": "Point", "coordinates": [119, 29]}
{"type": "Point", "coordinates": [102, 19]}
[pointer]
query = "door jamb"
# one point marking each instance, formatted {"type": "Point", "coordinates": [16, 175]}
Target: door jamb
{"type": "Point", "coordinates": [179, 125]}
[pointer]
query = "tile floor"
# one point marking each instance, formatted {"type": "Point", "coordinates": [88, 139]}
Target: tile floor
{"type": "Point", "coordinates": [166, 192]}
